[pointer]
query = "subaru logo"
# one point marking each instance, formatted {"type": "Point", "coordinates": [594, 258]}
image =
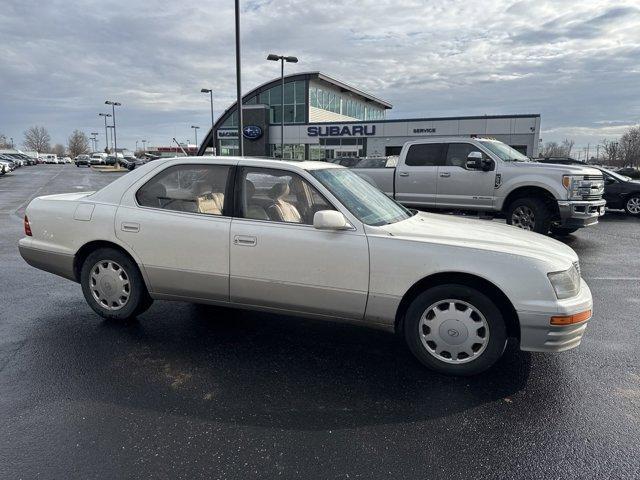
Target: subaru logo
{"type": "Point", "coordinates": [252, 132]}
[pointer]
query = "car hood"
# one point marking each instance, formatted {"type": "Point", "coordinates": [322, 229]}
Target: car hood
{"type": "Point", "coordinates": [567, 169]}
{"type": "Point", "coordinates": [483, 235]}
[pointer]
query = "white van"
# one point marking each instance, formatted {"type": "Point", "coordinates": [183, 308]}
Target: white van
{"type": "Point", "coordinates": [49, 158]}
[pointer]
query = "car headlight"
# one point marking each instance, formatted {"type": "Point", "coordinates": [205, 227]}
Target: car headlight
{"type": "Point", "coordinates": [566, 284]}
{"type": "Point", "coordinates": [576, 186]}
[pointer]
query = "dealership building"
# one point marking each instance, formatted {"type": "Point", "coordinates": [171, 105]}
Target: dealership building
{"type": "Point", "coordinates": [326, 118]}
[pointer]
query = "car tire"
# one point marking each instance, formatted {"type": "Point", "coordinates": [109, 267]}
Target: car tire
{"type": "Point", "coordinates": [531, 214]}
{"type": "Point", "coordinates": [632, 205]}
{"type": "Point", "coordinates": [113, 285]}
{"type": "Point", "coordinates": [440, 340]}
{"type": "Point", "coordinates": [563, 231]}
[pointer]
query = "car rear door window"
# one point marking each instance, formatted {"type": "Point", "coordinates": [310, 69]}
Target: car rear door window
{"type": "Point", "coordinates": [187, 188]}
{"type": "Point", "coordinates": [425, 155]}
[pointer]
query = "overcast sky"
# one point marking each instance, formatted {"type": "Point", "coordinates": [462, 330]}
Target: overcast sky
{"type": "Point", "coordinates": [577, 63]}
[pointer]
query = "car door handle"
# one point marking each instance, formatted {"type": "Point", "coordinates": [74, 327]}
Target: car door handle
{"type": "Point", "coordinates": [245, 240]}
{"type": "Point", "coordinates": [130, 227]}
{"type": "Point", "coordinates": [403, 174]}
{"type": "Point", "coordinates": [445, 174]}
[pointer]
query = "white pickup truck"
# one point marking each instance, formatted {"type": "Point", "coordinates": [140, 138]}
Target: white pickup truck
{"type": "Point", "coordinates": [485, 175]}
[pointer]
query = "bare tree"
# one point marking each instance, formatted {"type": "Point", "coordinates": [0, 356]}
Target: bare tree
{"type": "Point", "coordinates": [3, 141]}
{"type": "Point", "coordinates": [611, 152]}
{"type": "Point", "coordinates": [567, 146]}
{"type": "Point", "coordinates": [38, 139]}
{"type": "Point", "coordinates": [551, 149]}
{"type": "Point", "coordinates": [59, 150]}
{"type": "Point", "coordinates": [629, 146]}
{"type": "Point", "coordinates": [77, 144]}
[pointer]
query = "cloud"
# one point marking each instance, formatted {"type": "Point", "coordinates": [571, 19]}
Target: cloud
{"type": "Point", "coordinates": [575, 63]}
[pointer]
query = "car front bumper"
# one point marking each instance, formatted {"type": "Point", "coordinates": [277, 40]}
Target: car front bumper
{"type": "Point", "coordinates": [580, 213]}
{"type": "Point", "coordinates": [538, 335]}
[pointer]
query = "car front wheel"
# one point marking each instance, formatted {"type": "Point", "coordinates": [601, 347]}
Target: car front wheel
{"type": "Point", "coordinates": [632, 206]}
{"type": "Point", "coordinates": [455, 330]}
{"type": "Point", "coordinates": [113, 286]}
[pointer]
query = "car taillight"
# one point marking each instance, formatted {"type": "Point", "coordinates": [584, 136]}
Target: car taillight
{"type": "Point", "coordinates": [27, 227]}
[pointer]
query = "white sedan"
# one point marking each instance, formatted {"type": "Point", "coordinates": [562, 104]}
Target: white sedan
{"type": "Point", "coordinates": [313, 239]}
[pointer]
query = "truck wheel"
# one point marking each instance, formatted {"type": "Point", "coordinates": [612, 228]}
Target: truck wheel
{"type": "Point", "coordinates": [529, 214]}
{"type": "Point", "coordinates": [562, 231]}
{"type": "Point", "coordinates": [632, 207]}
{"type": "Point", "coordinates": [113, 286]}
{"type": "Point", "coordinates": [455, 330]}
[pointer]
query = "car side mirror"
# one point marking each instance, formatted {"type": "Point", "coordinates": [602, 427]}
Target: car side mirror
{"type": "Point", "coordinates": [474, 161]}
{"type": "Point", "coordinates": [330, 220]}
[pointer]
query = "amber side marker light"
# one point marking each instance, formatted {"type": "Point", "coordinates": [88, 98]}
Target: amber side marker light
{"type": "Point", "coordinates": [27, 227]}
{"type": "Point", "coordinates": [571, 319]}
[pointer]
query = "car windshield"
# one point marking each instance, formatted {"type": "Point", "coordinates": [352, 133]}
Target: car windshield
{"type": "Point", "coordinates": [617, 176]}
{"type": "Point", "coordinates": [505, 152]}
{"type": "Point", "coordinates": [363, 200]}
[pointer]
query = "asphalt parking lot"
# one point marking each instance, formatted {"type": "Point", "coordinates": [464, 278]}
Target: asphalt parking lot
{"type": "Point", "coordinates": [189, 391]}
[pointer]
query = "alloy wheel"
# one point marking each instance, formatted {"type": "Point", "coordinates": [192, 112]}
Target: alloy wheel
{"type": "Point", "coordinates": [523, 217]}
{"type": "Point", "coordinates": [633, 205]}
{"type": "Point", "coordinates": [454, 331]}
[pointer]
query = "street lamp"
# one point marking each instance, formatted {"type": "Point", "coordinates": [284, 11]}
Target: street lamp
{"type": "Point", "coordinates": [239, 80]}
{"type": "Point", "coordinates": [195, 130]}
{"type": "Point", "coordinates": [210, 92]}
{"type": "Point", "coordinates": [282, 59]}
{"type": "Point", "coordinates": [115, 138]}
{"type": "Point", "coordinates": [11, 138]}
{"type": "Point", "coordinates": [106, 132]}
{"type": "Point", "coordinates": [144, 146]}
{"type": "Point", "coordinates": [95, 141]}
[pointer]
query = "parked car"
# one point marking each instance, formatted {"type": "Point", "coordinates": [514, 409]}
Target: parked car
{"type": "Point", "coordinates": [630, 172]}
{"type": "Point", "coordinates": [8, 163]}
{"type": "Point", "coordinates": [621, 192]}
{"type": "Point", "coordinates": [345, 161]}
{"type": "Point", "coordinates": [3, 169]}
{"type": "Point", "coordinates": [131, 163]}
{"type": "Point", "coordinates": [66, 160]}
{"type": "Point", "coordinates": [485, 175]}
{"type": "Point", "coordinates": [50, 158]}
{"type": "Point", "coordinates": [83, 160]}
{"type": "Point", "coordinates": [313, 239]}
{"type": "Point", "coordinates": [98, 158]}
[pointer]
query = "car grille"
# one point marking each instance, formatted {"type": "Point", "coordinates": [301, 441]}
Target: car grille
{"type": "Point", "coordinates": [577, 265]}
{"type": "Point", "coordinates": [593, 177]}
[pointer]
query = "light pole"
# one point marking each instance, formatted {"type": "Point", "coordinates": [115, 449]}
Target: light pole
{"type": "Point", "coordinates": [115, 138]}
{"type": "Point", "coordinates": [213, 140]}
{"type": "Point", "coordinates": [282, 59]}
{"type": "Point", "coordinates": [239, 81]}
{"type": "Point", "coordinates": [195, 131]}
{"type": "Point", "coordinates": [144, 146]}
{"type": "Point", "coordinates": [11, 138]}
{"type": "Point", "coordinates": [106, 132]}
{"type": "Point", "coordinates": [95, 141]}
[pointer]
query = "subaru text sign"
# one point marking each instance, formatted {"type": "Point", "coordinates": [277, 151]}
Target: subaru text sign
{"type": "Point", "coordinates": [342, 131]}
{"type": "Point", "coordinates": [252, 132]}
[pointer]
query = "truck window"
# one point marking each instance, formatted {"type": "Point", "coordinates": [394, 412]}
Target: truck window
{"type": "Point", "coordinates": [425, 155]}
{"type": "Point", "coordinates": [457, 154]}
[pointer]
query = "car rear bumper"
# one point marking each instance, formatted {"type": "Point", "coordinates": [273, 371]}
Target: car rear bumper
{"type": "Point", "coordinates": [538, 335]}
{"type": "Point", "coordinates": [47, 260]}
{"type": "Point", "coordinates": [576, 213]}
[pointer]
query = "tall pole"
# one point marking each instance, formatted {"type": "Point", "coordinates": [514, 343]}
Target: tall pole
{"type": "Point", "coordinates": [115, 142]}
{"type": "Point", "coordinates": [213, 140]}
{"type": "Point", "coordinates": [239, 81]}
{"type": "Point", "coordinates": [282, 109]}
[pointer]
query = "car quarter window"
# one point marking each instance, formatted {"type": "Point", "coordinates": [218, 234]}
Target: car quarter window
{"type": "Point", "coordinates": [457, 154]}
{"type": "Point", "coordinates": [278, 196]}
{"type": "Point", "coordinates": [425, 155]}
{"type": "Point", "coordinates": [187, 188]}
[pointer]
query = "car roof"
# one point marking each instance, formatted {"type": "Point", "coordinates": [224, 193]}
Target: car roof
{"type": "Point", "coordinates": [253, 161]}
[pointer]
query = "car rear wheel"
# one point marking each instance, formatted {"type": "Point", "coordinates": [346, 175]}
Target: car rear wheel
{"type": "Point", "coordinates": [632, 207]}
{"type": "Point", "coordinates": [113, 286]}
{"type": "Point", "coordinates": [455, 330]}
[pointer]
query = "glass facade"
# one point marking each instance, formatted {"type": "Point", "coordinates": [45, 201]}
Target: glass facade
{"type": "Point", "coordinates": [344, 105]}
{"type": "Point", "coordinates": [295, 106]}
{"type": "Point", "coordinates": [337, 148]}
{"type": "Point", "coordinates": [291, 151]}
